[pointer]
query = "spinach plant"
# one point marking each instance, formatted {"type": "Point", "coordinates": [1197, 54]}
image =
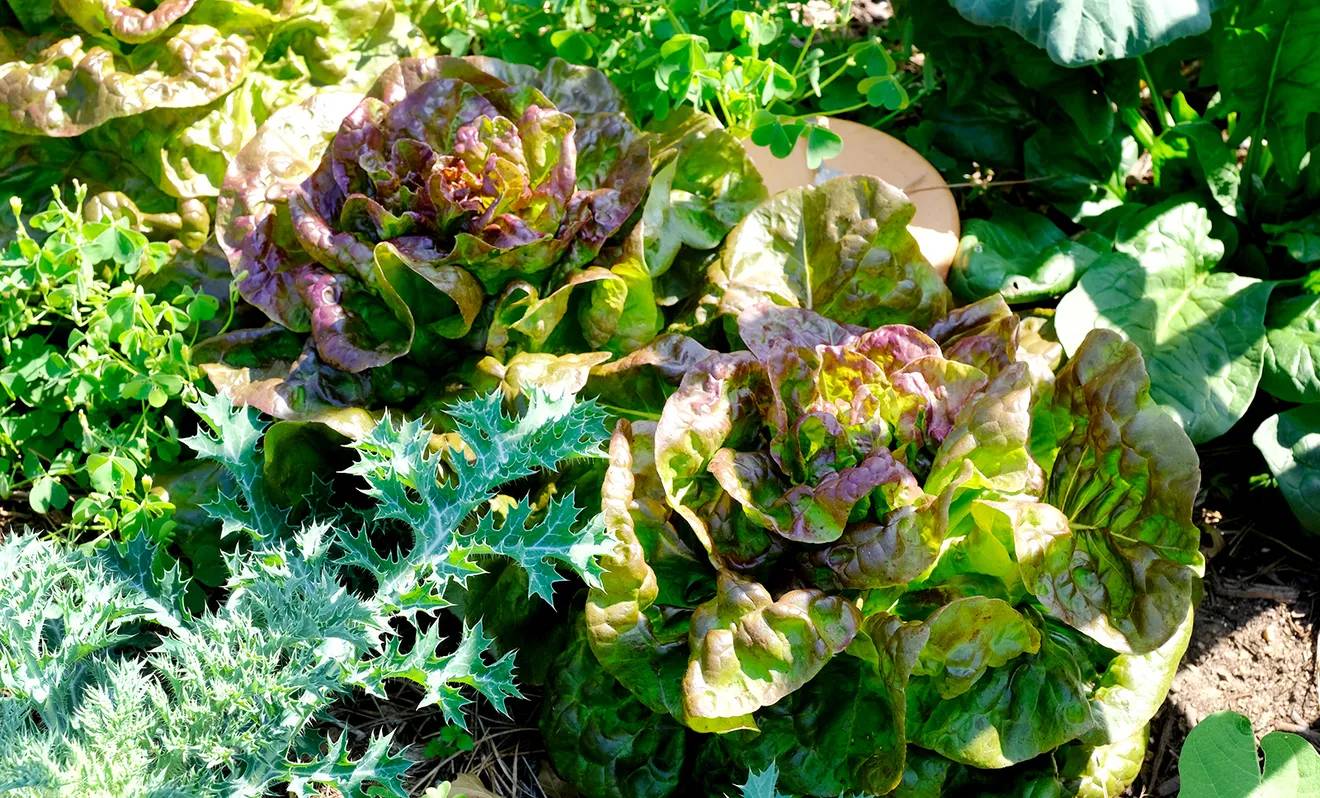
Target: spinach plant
{"type": "Point", "coordinates": [1181, 175]}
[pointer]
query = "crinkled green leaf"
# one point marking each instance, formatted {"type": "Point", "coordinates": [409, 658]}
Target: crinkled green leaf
{"type": "Point", "coordinates": [1134, 686]}
{"type": "Point", "coordinates": [625, 631]}
{"type": "Point", "coordinates": [749, 650]}
{"type": "Point", "coordinates": [704, 184]}
{"type": "Point", "coordinates": [122, 20]}
{"type": "Point", "coordinates": [61, 87]}
{"type": "Point", "coordinates": [841, 248]}
{"type": "Point", "coordinates": [601, 738]}
{"type": "Point", "coordinates": [1202, 331]}
{"type": "Point", "coordinates": [1290, 443]}
{"type": "Point", "coordinates": [1114, 553]}
{"type": "Point", "coordinates": [966, 637]}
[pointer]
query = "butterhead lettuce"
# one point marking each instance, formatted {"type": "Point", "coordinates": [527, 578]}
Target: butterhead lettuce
{"type": "Point", "coordinates": [859, 551]}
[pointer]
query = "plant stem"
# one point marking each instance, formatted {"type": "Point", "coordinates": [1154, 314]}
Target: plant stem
{"type": "Point", "coordinates": [1162, 110]}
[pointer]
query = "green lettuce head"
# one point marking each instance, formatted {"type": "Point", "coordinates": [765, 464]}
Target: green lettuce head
{"type": "Point", "coordinates": [865, 542]}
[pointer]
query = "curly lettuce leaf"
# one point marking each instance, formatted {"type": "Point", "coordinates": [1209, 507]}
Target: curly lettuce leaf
{"type": "Point", "coordinates": [53, 86]}
{"type": "Point", "coordinates": [601, 738]}
{"type": "Point", "coordinates": [750, 650]}
{"type": "Point", "coordinates": [840, 248]}
{"type": "Point", "coordinates": [626, 631]}
{"type": "Point", "coordinates": [1114, 553]}
{"type": "Point", "coordinates": [1033, 703]}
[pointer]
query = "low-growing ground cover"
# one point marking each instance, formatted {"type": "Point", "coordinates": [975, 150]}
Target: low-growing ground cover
{"type": "Point", "coordinates": [429, 398]}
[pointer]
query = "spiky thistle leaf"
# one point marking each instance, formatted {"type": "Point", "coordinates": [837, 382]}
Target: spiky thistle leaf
{"type": "Point", "coordinates": [403, 478]}
{"type": "Point", "coordinates": [141, 564]}
{"type": "Point", "coordinates": [538, 543]}
{"type": "Point", "coordinates": [231, 436]}
{"type": "Point", "coordinates": [763, 784]}
{"type": "Point", "coordinates": [443, 677]}
{"type": "Point", "coordinates": [375, 774]}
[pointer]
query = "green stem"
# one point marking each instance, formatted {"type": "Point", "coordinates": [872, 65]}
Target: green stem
{"type": "Point", "coordinates": [1253, 151]}
{"type": "Point", "coordinates": [802, 54]}
{"type": "Point", "coordinates": [1162, 110]}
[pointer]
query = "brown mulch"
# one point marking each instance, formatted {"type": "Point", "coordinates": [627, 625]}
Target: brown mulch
{"type": "Point", "coordinates": [1254, 647]}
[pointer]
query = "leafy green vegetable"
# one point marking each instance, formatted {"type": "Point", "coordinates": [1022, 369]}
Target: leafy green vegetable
{"type": "Point", "coordinates": [1220, 759]}
{"type": "Point", "coordinates": [1290, 443]}
{"type": "Point", "coordinates": [169, 92]}
{"type": "Point", "coordinates": [1020, 255]}
{"type": "Point", "coordinates": [1292, 358]}
{"type": "Point", "coordinates": [437, 256]}
{"type": "Point", "coordinates": [1265, 74]}
{"type": "Point", "coordinates": [909, 539]}
{"type": "Point", "coordinates": [841, 248]}
{"type": "Point", "coordinates": [646, 749]}
{"type": "Point", "coordinates": [1077, 32]}
{"type": "Point", "coordinates": [1201, 331]}
{"type": "Point", "coordinates": [93, 367]}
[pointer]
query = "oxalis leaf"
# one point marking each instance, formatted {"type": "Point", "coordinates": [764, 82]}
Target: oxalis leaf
{"type": "Point", "coordinates": [1219, 760]}
{"type": "Point", "coordinates": [1290, 442]}
{"type": "Point", "coordinates": [1077, 32]}
{"type": "Point", "coordinates": [1202, 332]}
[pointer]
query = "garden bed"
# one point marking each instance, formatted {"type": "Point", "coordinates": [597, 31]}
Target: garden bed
{"type": "Point", "coordinates": [520, 399]}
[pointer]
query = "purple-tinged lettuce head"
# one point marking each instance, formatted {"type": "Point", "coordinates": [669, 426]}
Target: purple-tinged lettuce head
{"type": "Point", "coordinates": [373, 222]}
{"type": "Point", "coordinates": [885, 548]}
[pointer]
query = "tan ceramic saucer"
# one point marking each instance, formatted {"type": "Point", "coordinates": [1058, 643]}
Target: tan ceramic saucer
{"type": "Point", "coordinates": [867, 151]}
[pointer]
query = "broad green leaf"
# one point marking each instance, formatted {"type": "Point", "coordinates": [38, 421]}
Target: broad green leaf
{"type": "Point", "coordinates": [1077, 32]}
{"type": "Point", "coordinates": [1292, 359]}
{"type": "Point", "coordinates": [1220, 760]}
{"type": "Point", "coordinates": [600, 737]}
{"type": "Point", "coordinates": [1018, 254]}
{"type": "Point", "coordinates": [1202, 332]}
{"type": "Point", "coordinates": [840, 248]}
{"type": "Point", "coordinates": [749, 650]}
{"type": "Point", "coordinates": [1032, 704]}
{"type": "Point", "coordinates": [1266, 73]}
{"type": "Point", "coordinates": [1290, 443]}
